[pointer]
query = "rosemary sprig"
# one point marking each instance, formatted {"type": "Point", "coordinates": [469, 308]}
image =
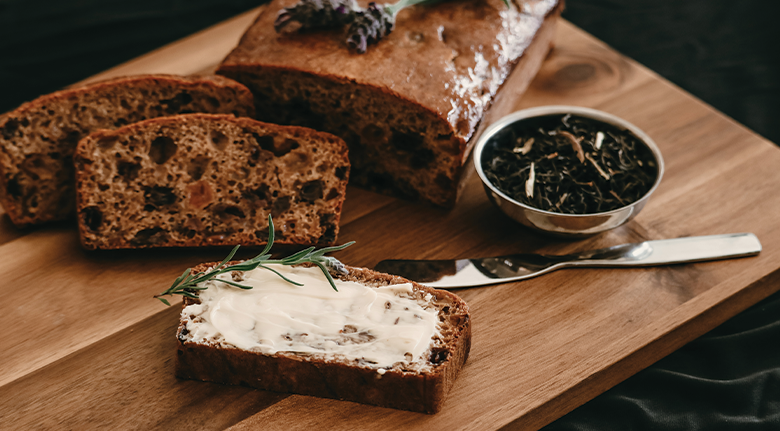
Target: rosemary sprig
{"type": "Point", "coordinates": [187, 283]}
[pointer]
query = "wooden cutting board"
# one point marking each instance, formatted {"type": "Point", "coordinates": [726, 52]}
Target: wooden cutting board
{"type": "Point", "coordinates": [86, 346]}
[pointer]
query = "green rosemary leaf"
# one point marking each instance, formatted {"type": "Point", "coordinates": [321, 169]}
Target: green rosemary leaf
{"type": "Point", "coordinates": [233, 283]}
{"type": "Point", "coordinates": [280, 275]}
{"type": "Point", "coordinates": [248, 265]}
{"type": "Point", "coordinates": [227, 259]}
{"type": "Point", "coordinates": [321, 252]}
{"type": "Point", "coordinates": [181, 277]}
{"type": "Point", "coordinates": [164, 301]}
{"type": "Point", "coordinates": [300, 255]}
{"type": "Point", "coordinates": [327, 275]}
{"type": "Point", "coordinates": [271, 235]}
{"type": "Point", "coordinates": [258, 258]}
{"type": "Point", "coordinates": [188, 280]}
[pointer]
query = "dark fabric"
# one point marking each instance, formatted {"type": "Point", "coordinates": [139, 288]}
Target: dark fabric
{"type": "Point", "coordinates": [722, 51]}
{"type": "Point", "coordinates": [728, 379]}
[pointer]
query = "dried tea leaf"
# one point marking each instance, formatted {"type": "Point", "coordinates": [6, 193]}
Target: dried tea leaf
{"type": "Point", "coordinates": [529, 184]}
{"type": "Point", "coordinates": [575, 143]}
{"type": "Point", "coordinates": [525, 149]}
{"type": "Point", "coordinates": [612, 192]}
{"type": "Point", "coordinates": [563, 198]}
{"type": "Point", "coordinates": [598, 168]}
{"type": "Point", "coordinates": [599, 140]}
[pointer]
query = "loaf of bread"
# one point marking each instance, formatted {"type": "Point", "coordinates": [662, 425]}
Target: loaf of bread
{"type": "Point", "coordinates": [410, 107]}
{"type": "Point", "coordinates": [379, 340]}
{"type": "Point", "coordinates": [206, 179]}
{"type": "Point", "coordinates": [38, 138]}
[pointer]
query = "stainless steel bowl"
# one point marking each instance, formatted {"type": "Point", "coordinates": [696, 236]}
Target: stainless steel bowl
{"type": "Point", "coordinates": [557, 224]}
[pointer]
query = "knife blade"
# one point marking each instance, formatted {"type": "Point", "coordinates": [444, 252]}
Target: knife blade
{"type": "Point", "coordinates": [460, 273]}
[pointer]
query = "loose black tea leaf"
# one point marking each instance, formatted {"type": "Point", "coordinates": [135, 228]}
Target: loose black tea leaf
{"type": "Point", "coordinates": [569, 164]}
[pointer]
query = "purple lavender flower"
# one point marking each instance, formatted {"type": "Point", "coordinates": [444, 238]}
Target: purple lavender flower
{"type": "Point", "coordinates": [369, 26]}
{"type": "Point", "coordinates": [313, 14]}
{"type": "Point", "coordinates": [366, 26]}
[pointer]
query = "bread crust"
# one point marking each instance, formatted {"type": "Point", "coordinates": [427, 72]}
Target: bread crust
{"type": "Point", "coordinates": [96, 166]}
{"type": "Point", "coordinates": [149, 79]}
{"type": "Point", "coordinates": [22, 163]}
{"type": "Point", "coordinates": [427, 68]}
{"type": "Point", "coordinates": [422, 390]}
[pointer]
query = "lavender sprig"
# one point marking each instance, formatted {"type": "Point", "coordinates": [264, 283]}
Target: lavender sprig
{"type": "Point", "coordinates": [366, 26]}
{"type": "Point", "coordinates": [370, 25]}
{"type": "Point", "coordinates": [314, 14]}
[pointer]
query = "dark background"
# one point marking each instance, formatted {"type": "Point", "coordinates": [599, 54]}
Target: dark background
{"type": "Point", "coordinates": [724, 52]}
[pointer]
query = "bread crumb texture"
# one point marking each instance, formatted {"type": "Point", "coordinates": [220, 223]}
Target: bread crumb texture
{"type": "Point", "coordinates": [37, 140]}
{"type": "Point", "coordinates": [201, 179]}
{"type": "Point", "coordinates": [396, 147]}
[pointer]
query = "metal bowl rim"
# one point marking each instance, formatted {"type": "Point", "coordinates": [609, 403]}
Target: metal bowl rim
{"type": "Point", "coordinates": [594, 114]}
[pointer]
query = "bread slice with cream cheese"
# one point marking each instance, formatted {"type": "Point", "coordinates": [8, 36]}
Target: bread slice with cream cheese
{"type": "Point", "coordinates": [379, 340]}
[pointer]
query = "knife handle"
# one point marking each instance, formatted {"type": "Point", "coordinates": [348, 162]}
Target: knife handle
{"type": "Point", "coordinates": [667, 251]}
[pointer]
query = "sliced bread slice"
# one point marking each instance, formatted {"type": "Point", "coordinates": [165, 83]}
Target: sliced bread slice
{"type": "Point", "coordinates": [203, 179]}
{"type": "Point", "coordinates": [37, 139]}
{"type": "Point", "coordinates": [380, 339]}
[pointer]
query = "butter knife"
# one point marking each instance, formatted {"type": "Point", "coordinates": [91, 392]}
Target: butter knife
{"type": "Point", "coordinates": [450, 274]}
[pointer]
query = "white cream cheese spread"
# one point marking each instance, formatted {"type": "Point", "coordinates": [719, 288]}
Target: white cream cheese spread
{"type": "Point", "coordinates": [379, 326]}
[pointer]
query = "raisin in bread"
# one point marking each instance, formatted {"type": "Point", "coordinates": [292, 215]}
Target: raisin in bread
{"type": "Point", "coordinates": [410, 107]}
{"type": "Point", "coordinates": [204, 179]}
{"type": "Point", "coordinates": [379, 339]}
{"type": "Point", "coordinates": [38, 138]}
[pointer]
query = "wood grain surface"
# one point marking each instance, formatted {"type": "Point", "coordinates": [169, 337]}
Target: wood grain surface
{"type": "Point", "coordinates": [86, 346]}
